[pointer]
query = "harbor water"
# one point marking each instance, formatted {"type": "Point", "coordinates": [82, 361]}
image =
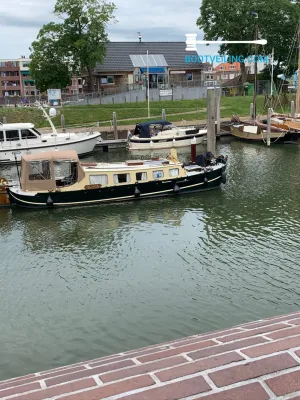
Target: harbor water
{"type": "Point", "coordinates": [81, 283]}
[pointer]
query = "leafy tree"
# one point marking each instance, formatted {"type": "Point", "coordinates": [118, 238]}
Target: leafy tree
{"type": "Point", "coordinates": [277, 22]}
{"type": "Point", "coordinates": [76, 43]}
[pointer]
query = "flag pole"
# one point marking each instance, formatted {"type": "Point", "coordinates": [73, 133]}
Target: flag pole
{"type": "Point", "coordinates": [148, 90]}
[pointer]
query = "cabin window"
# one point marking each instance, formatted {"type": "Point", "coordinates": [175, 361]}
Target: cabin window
{"type": "Point", "coordinates": [65, 172]}
{"type": "Point", "coordinates": [99, 180]}
{"type": "Point", "coordinates": [1, 136]}
{"type": "Point", "coordinates": [27, 134]}
{"type": "Point", "coordinates": [141, 176]}
{"type": "Point", "coordinates": [39, 170]}
{"type": "Point", "coordinates": [12, 135]}
{"type": "Point", "coordinates": [174, 172]}
{"type": "Point", "coordinates": [121, 178]}
{"type": "Point", "coordinates": [158, 174]}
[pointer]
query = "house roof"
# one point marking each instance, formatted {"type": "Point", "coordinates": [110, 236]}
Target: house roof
{"type": "Point", "coordinates": [118, 55]}
{"type": "Point", "coordinates": [226, 66]}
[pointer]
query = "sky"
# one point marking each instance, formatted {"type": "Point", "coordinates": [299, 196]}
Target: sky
{"type": "Point", "coordinates": [166, 21]}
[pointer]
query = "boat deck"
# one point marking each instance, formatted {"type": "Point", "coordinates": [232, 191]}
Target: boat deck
{"type": "Point", "coordinates": [253, 361]}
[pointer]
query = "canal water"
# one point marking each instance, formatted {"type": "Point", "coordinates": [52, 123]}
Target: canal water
{"type": "Point", "coordinates": [81, 283]}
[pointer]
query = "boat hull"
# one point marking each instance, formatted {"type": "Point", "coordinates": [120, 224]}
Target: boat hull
{"type": "Point", "coordinates": [275, 137]}
{"type": "Point", "coordinates": [82, 147]}
{"type": "Point", "coordinates": [168, 143]}
{"type": "Point", "coordinates": [169, 187]}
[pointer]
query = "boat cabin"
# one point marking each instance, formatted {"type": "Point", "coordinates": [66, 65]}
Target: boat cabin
{"type": "Point", "coordinates": [148, 129]}
{"type": "Point", "coordinates": [18, 132]}
{"type": "Point", "coordinates": [62, 171]}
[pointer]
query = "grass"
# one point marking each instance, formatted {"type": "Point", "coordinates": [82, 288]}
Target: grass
{"type": "Point", "coordinates": [131, 113]}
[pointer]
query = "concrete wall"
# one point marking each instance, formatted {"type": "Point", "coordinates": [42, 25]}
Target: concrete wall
{"type": "Point", "coordinates": [133, 96]}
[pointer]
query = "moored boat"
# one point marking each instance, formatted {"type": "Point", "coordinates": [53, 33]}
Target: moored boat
{"type": "Point", "coordinates": [156, 135]}
{"type": "Point", "coordinates": [23, 138]}
{"type": "Point", "coordinates": [59, 179]}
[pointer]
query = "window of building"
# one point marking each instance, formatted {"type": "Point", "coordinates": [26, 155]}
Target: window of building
{"type": "Point", "coordinates": [2, 64]}
{"type": "Point", "coordinates": [222, 68]}
{"type": "Point", "coordinates": [12, 135]}
{"type": "Point", "coordinates": [99, 180]}
{"type": "Point", "coordinates": [232, 67]}
{"type": "Point", "coordinates": [25, 65]}
{"type": "Point", "coordinates": [207, 76]}
{"type": "Point", "coordinates": [39, 170]}
{"type": "Point", "coordinates": [173, 172]}
{"type": "Point", "coordinates": [158, 174]}
{"type": "Point", "coordinates": [141, 176]}
{"type": "Point", "coordinates": [121, 178]}
{"type": "Point", "coordinates": [32, 93]}
{"type": "Point", "coordinates": [27, 134]}
{"type": "Point", "coordinates": [1, 136]}
{"type": "Point", "coordinates": [107, 79]}
{"type": "Point", "coordinates": [189, 76]}
{"type": "Point", "coordinates": [79, 82]}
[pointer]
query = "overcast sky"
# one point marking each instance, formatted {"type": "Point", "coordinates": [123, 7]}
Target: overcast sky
{"type": "Point", "coordinates": [168, 21]}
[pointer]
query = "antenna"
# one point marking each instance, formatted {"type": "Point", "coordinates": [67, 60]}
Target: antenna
{"type": "Point", "coordinates": [140, 36]}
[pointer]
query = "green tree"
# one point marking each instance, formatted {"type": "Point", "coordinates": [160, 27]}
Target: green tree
{"type": "Point", "coordinates": [76, 44]}
{"type": "Point", "coordinates": [277, 22]}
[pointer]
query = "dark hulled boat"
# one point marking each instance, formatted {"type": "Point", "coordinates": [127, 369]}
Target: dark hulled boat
{"type": "Point", "coordinates": [59, 179]}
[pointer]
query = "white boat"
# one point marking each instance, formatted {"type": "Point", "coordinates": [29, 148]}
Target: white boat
{"type": "Point", "coordinates": [156, 135]}
{"type": "Point", "coordinates": [23, 138]}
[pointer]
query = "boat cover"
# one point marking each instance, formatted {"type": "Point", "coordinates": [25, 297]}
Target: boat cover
{"type": "Point", "coordinates": [143, 129]}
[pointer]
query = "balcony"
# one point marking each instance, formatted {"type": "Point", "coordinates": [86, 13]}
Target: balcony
{"type": "Point", "coordinates": [9, 68]}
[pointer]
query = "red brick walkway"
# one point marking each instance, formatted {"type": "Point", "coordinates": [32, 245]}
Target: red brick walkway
{"type": "Point", "coordinates": [255, 361]}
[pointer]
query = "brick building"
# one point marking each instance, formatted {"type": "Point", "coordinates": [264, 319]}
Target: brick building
{"type": "Point", "coordinates": [15, 79]}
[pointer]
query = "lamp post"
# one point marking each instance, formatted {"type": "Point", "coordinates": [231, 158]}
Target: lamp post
{"type": "Point", "coordinates": [255, 64]}
{"type": "Point", "coordinates": [148, 85]}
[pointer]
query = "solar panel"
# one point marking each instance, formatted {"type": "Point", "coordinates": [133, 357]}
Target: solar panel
{"type": "Point", "coordinates": [154, 60]}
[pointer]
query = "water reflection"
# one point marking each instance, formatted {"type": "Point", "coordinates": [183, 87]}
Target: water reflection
{"type": "Point", "coordinates": [81, 283]}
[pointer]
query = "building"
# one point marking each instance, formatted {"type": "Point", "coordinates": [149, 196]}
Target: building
{"type": "Point", "coordinates": [15, 78]}
{"type": "Point", "coordinates": [125, 65]}
{"type": "Point", "coordinates": [227, 71]}
{"type": "Point", "coordinates": [76, 86]}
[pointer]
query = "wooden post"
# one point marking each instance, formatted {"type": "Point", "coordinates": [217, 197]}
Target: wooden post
{"type": "Point", "coordinates": [293, 109]}
{"type": "Point", "coordinates": [193, 150]}
{"type": "Point", "coordinates": [269, 126]}
{"type": "Point", "coordinates": [218, 108]}
{"type": "Point", "coordinates": [251, 111]}
{"type": "Point", "coordinates": [63, 122]}
{"type": "Point", "coordinates": [115, 124]}
{"type": "Point", "coordinates": [211, 118]}
{"type": "Point", "coordinates": [4, 120]}
{"type": "Point", "coordinates": [163, 114]}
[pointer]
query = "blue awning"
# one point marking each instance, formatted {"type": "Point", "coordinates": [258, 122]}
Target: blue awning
{"type": "Point", "coordinates": [154, 70]}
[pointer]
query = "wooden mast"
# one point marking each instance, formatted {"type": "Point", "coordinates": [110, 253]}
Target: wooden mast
{"type": "Point", "coordinates": [298, 86]}
{"type": "Point", "coordinates": [255, 73]}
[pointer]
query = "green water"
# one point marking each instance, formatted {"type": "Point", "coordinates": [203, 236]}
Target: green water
{"type": "Point", "coordinates": [81, 283]}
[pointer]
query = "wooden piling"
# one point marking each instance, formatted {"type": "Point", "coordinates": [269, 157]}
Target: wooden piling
{"type": "Point", "coordinates": [163, 114]}
{"type": "Point", "coordinates": [269, 126]}
{"type": "Point", "coordinates": [115, 125]}
{"type": "Point", "coordinates": [293, 109]}
{"type": "Point", "coordinates": [218, 110]}
{"type": "Point", "coordinates": [63, 122]}
{"type": "Point", "coordinates": [251, 111]}
{"type": "Point", "coordinates": [211, 118]}
{"type": "Point", "coordinates": [4, 120]}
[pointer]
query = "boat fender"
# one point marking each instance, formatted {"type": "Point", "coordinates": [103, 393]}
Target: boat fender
{"type": "Point", "coordinates": [205, 180]}
{"type": "Point", "coordinates": [49, 201]}
{"type": "Point", "coordinates": [176, 188]}
{"type": "Point", "coordinates": [137, 193]}
{"type": "Point", "coordinates": [224, 177]}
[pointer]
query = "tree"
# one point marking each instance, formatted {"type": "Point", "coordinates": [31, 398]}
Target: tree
{"type": "Point", "coordinates": [47, 65]}
{"type": "Point", "coordinates": [277, 22]}
{"type": "Point", "coordinates": [77, 43]}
